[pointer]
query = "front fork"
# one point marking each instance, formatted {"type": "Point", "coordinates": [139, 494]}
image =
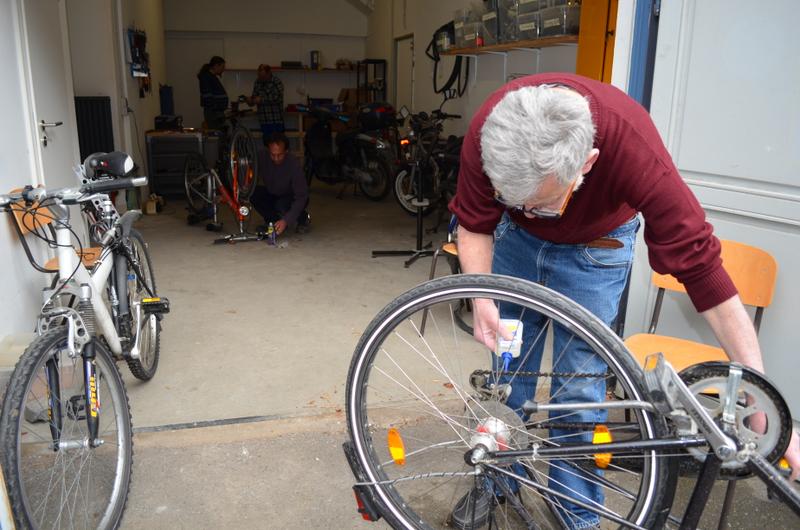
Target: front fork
{"type": "Point", "coordinates": [89, 356]}
{"type": "Point", "coordinates": [54, 402]}
{"type": "Point", "coordinates": [91, 393]}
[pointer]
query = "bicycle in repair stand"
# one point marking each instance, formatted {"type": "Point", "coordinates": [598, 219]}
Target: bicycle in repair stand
{"type": "Point", "coordinates": [430, 423]}
{"type": "Point", "coordinates": [238, 165]}
{"type": "Point", "coordinates": [65, 429]}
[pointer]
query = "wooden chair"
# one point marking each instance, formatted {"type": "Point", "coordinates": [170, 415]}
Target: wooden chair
{"type": "Point", "coordinates": [39, 220]}
{"type": "Point", "coordinates": [450, 250]}
{"type": "Point", "coordinates": [754, 272]}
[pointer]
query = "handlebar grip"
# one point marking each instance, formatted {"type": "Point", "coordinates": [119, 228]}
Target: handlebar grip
{"type": "Point", "coordinates": [113, 184]}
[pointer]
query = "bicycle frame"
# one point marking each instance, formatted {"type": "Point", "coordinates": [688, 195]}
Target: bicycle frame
{"type": "Point", "coordinates": [69, 264]}
{"type": "Point", "coordinates": [71, 267]}
{"type": "Point", "coordinates": [668, 393]}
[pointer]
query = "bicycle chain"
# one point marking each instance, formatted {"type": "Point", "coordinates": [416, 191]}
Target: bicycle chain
{"type": "Point", "coordinates": [583, 375]}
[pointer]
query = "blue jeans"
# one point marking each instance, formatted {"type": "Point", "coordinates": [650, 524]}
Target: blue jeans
{"type": "Point", "coordinates": [594, 278]}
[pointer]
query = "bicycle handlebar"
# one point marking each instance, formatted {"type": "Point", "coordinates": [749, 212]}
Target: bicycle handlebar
{"type": "Point", "coordinates": [439, 115]}
{"type": "Point", "coordinates": [103, 186]}
{"type": "Point", "coordinates": [72, 195]}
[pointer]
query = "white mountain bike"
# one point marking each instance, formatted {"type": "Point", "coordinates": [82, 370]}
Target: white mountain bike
{"type": "Point", "coordinates": [65, 430]}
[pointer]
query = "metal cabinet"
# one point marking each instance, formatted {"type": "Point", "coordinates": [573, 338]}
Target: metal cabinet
{"type": "Point", "coordinates": [166, 154]}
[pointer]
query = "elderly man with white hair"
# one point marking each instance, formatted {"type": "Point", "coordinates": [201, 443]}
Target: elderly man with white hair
{"type": "Point", "coordinates": [555, 169]}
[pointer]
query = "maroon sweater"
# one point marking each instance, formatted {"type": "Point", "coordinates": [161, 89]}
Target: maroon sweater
{"type": "Point", "coordinates": [634, 173]}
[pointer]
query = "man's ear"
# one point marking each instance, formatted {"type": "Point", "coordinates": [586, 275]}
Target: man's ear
{"type": "Point", "coordinates": [590, 160]}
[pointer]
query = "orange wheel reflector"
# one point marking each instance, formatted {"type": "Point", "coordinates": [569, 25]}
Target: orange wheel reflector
{"type": "Point", "coordinates": [404, 141]}
{"type": "Point", "coordinates": [601, 436]}
{"type": "Point", "coordinates": [783, 464]}
{"type": "Point", "coordinates": [396, 447]}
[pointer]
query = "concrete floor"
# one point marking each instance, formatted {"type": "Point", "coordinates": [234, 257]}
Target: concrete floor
{"type": "Point", "coordinates": [261, 331]}
{"type": "Point", "coordinates": [269, 332]}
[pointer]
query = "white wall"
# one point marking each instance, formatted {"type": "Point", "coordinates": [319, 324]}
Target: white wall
{"type": "Point", "coordinates": [186, 52]}
{"type": "Point", "coordinates": [249, 32]}
{"type": "Point", "coordinates": [319, 17]}
{"type": "Point", "coordinates": [146, 15]}
{"type": "Point", "coordinates": [421, 18]}
{"type": "Point", "coordinates": [100, 64]}
{"type": "Point", "coordinates": [92, 49]}
{"type": "Point", "coordinates": [20, 282]}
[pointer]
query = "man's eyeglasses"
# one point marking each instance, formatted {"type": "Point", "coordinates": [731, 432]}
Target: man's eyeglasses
{"type": "Point", "coordinates": [538, 212]}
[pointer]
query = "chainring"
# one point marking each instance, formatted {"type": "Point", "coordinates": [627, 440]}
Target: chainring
{"type": "Point", "coordinates": [756, 394]}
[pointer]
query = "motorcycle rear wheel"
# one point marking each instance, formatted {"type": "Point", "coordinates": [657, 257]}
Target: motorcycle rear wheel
{"type": "Point", "coordinates": [405, 191]}
{"type": "Point", "coordinates": [379, 185]}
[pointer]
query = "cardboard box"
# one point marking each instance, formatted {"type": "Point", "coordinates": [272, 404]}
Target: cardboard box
{"type": "Point", "coordinates": [349, 98]}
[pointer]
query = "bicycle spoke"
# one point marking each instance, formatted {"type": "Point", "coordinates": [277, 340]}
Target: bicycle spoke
{"type": "Point", "coordinates": [445, 394]}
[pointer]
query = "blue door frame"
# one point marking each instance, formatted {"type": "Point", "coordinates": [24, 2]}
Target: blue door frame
{"type": "Point", "coordinates": [640, 88]}
{"type": "Point", "coordinates": [643, 50]}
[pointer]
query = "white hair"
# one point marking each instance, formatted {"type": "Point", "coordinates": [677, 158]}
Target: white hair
{"type": "Point", "coordinates": [535, 132]}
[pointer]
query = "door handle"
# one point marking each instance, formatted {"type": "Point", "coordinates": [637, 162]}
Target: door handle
{"type": "Point", "coordinates": [45, 124]}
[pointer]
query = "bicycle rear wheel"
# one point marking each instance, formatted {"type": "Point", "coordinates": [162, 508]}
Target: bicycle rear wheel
{"type": "Point", "coordinates": [74, 486]}
{"type": "Point", "coordinates": [432, 398]}
{"type": "Point", "coordinates": [148, 335]}
{"type": "Point", "coordinates": [243, 164]}
{"type": "Point", "coordinates": [198, 183]}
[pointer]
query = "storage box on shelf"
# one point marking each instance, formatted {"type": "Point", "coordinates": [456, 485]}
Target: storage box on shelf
{"type": "Point", "coordinates": [460, 17]}
{"type": "Point", "coordinates": [473, 34]}
{"type": "Point", "coordinates": [528, 25]}
{"type": "Point", "coordinates": [507, 11]}
{"type": "Point", "coordinates": [531, 6]}
{"type": "Point", "coordinates": [491, 27]}
{"type": "Point", "coordinates": [560, 20]}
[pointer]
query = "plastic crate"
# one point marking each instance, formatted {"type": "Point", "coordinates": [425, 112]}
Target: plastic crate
{"type": "Point", "coordinates": [473, 34]}
{"type": "Point", "coordinates": [561, 20]}
{"type": "Point", "coordinates": [491, 28]}
{"type": "Point", "coordinates": [528, 25]}
{"type": "Point", "coordinates": [530, 6]}
{"type": "Point", "coordinates": [507, 11]}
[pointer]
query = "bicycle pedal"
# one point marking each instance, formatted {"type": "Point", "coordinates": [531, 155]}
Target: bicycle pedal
{"type": "Point", "coordinates": [76, 407]}
{"type": "Point", "coordinates": [155, 306]}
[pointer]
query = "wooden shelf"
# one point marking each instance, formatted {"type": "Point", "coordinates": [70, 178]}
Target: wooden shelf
{"type": "Point", "coordinates": [306, 70]}
{"type": "Point", "coordinates": [544, 42]}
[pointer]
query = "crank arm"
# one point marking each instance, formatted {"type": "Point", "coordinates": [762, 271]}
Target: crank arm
{"type": "Point", "coordinates": [669, 392]}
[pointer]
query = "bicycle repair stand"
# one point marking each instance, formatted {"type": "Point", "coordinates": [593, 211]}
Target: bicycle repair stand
{"type": "Point", "coordinates": [243, 235]}
{"type": "Point", "coordinates": [420, 202]}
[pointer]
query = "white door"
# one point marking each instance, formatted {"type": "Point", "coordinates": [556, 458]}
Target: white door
{"type": "Point", "coordinates": [49, 86]}
{"type": "Point", "coordinates": [726, 101]}
{"type": "Point", "coordinates": [404, 74]}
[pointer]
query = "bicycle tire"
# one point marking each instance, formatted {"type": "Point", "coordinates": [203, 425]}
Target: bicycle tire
{"type": "Point", "coordinates": [198, 184]}
{"type": "Point", "coordinates": [379, 187]}
{"type": "Point", "coordinates": [144, 368]}
{"type": "Point", "coordinates": [243, 164]}
{"type": "Point", "coordinates": [26, 452]}
{"type": "Point", "coordinates": [369, 403]}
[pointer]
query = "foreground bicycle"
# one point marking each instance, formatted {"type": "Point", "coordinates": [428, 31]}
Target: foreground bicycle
{"type": "Point", "coordinates": [65, 430]}
{"type": "Point", "coordinates": [205, 188]}
{"type": "Point", "coordinates": [428, 421]}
